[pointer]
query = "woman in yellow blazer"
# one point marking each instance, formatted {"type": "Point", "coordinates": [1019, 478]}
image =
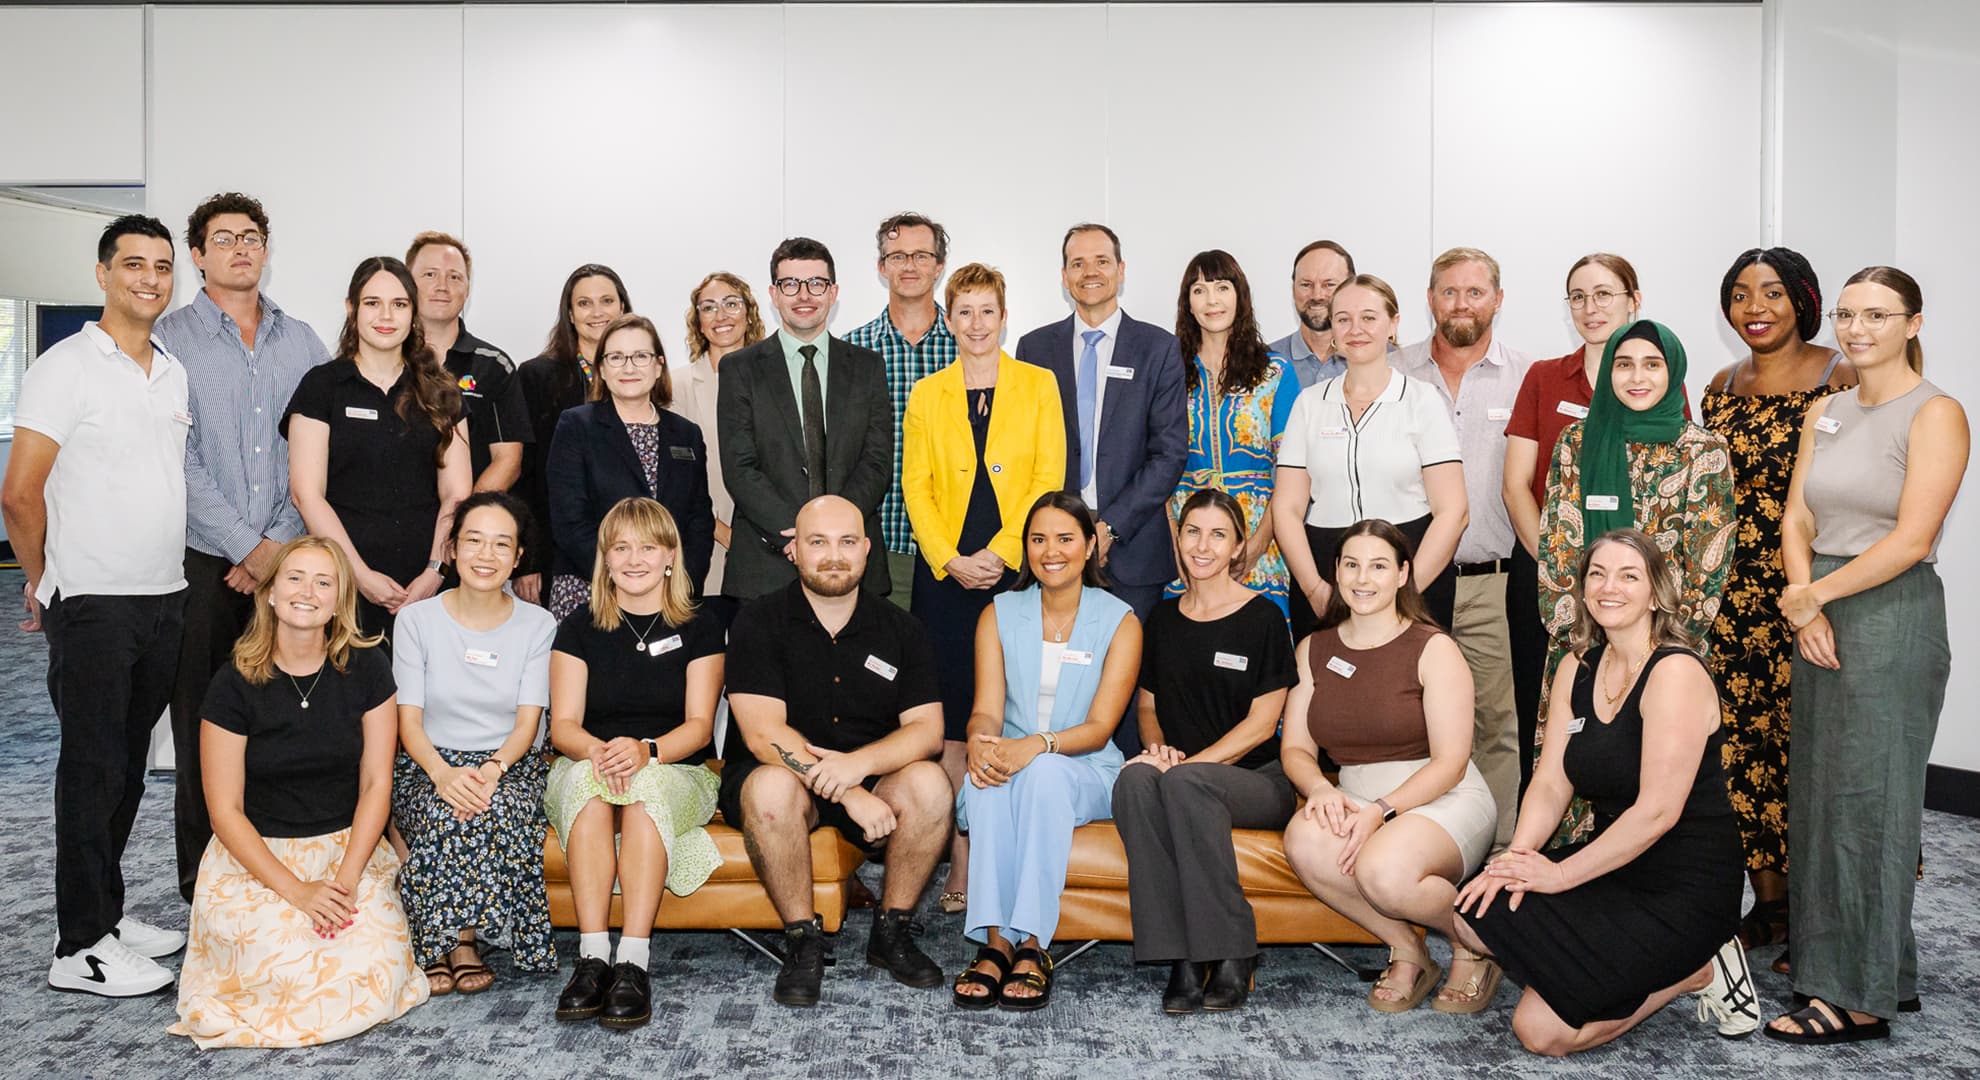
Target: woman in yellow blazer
{"type": "Point", "coordinates": [982, 439]}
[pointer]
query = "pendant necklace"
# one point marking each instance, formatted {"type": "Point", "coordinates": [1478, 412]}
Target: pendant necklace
{"type": "Point", "coordinates": [304, 694]}
{"type": "Point", "coordinates": [650, 623]}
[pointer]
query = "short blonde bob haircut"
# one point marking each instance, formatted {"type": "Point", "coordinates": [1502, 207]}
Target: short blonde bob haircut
{"type": "Point", "coordinates": [641, 520]}
{"type": "Point", "coordinates": [975, 277]}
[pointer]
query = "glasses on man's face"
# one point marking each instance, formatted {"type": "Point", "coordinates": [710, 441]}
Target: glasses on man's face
{"type": "Point", "coordinates": [895, 260]}
{"type": "Point", "coordinates": [731, 304]}
{"type": "Point", "coordinates": [628, 359]}
{"type": "Point", "coordinates": [222, 239]}
{"type": "Point", "coordinates": [1601, 298]}
{"type": "Point", "coordinates": [816, 286]}
{"type": "Point", "coordinates": [1874, 318]}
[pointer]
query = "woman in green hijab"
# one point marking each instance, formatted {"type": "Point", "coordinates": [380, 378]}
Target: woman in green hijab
{"type": "Point", "coordinates": [1636, 463]}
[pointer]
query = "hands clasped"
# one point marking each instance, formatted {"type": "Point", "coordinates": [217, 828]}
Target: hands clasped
{"type": "Point", "coordinates": [993, 759]}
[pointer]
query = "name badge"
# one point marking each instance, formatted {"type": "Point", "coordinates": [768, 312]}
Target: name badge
{"type": "Point", "coordinates": [1232, 661]}
{"type": "Point", "coordinates": [1076, 656]}
{"type": "Point", "coordinates": [1827, 425]}
{"type": "Point", "coordinates": [352, 412]}
{"type": "Point", "coordinates": [881, 668]}
{"type": "Point", "coordinates": [1116, 371]}
{"type": "Point", "coordinates": [1498, 416]}
{"type": "Point", "coordinates": [1602, 502]}
{"type": "Point", "coordinates": [665, 645]}
{"type": "Point", "coordinates": [682, 453]}
{"type": "Point", "coordinates": [1569, 408]}
{"type": "Point", "coordinates": [1575, 725]}
{"type": "Point", "coordinates": [1340, 667]}
{"type": "Point", "coordinates": [480, 657]}
{"type": "Point", "coordinates": [182, 416]}
{"type": "Point", "coordinates": [1333, 432]}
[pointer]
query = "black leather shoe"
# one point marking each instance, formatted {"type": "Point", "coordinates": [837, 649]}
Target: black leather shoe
{"type": "Point", "coordinates": [804, 964]}
{"type": "Point", "coordinates": [629, 1000]}
{"type": "Point", "coordinates": [1230, 984]}
{"type": "Point", "coordinates": [1185, 992]}
{"type": "Point", "coordinates": [892, 947]}
{"type": "Point", "coordinates": [584, 995]}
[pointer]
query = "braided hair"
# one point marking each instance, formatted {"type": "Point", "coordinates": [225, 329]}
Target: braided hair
{"type": "Point", "coordinates": [1797, 276]}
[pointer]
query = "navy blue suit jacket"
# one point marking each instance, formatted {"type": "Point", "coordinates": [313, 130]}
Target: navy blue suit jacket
{"type": "Point", "coordinates": [593, 465]}
{"type": "Point", "coordinates": [1143, 441]}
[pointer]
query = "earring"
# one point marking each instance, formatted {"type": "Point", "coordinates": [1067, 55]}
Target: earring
{"type": "Point", "coordinates": [668, 572]}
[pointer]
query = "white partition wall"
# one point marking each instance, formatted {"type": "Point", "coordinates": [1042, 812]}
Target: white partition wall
{"type": "Point", "coordinates": [72, 80]}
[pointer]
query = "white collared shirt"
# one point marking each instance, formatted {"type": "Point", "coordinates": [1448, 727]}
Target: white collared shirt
{"type": "Point", "coordinates": [1111, 326]}
{"type": "Point", "coordinates": [1483, 405]}
{"type": "Point", "coordinates": [116, 496]}
{"type": "Point", "coordinates": [1374, 468]}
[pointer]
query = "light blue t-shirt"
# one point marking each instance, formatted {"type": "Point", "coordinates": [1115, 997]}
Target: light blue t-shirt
{"type": "Point", "coordinates": [469, 683]}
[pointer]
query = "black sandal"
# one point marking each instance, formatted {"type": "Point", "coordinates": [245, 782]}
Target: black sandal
{"type": "Point", "coordinates": [1818, 1030]}
{"type": "Point", "coordinates": [1908, 1005]}
{"type": "Point", "coordinates": [1040, 980]}
{"type": "Point", "coordinates": [1766, 924]}
{"type": "Point", "coordinates": [991, 984]}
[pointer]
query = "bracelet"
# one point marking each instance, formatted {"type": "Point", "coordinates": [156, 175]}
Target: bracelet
{"type": "Point", "coordinates": [1051, 742]}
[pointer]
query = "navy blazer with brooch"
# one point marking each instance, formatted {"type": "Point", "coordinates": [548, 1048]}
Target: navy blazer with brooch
{"type": "Point", "coordinates": [593, 465]}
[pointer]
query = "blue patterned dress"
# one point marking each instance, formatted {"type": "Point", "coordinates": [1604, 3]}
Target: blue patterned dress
{"type": "Point", "coordinates": [1233, 445]}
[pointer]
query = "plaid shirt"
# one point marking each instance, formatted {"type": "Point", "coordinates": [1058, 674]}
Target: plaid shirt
{"type": "Point", "coordinates": [906, 365]}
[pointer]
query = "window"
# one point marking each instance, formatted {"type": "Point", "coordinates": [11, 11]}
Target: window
{"type": "Point", "coordinates": [16, 346]}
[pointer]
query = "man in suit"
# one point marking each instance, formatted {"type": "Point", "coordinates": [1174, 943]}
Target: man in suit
{"type": "Point", "coordinates": [802, 414]}
{"type": "Point", "coordinates": [1127, 420]}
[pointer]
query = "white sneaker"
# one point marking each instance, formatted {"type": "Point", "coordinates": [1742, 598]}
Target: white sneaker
{"type": "Point", "coordinates": [110, 968]}
{"type": "Point", "coordinates": [145, 939]}
{"type": "Point", "coordinates": [1729, 999]}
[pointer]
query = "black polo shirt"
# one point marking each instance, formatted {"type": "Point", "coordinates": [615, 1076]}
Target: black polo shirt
{"type": "Point", "coordinates": [841, 692]}
{"type": "Point", "coordinates": [491, 396]}
{"type": "Point", "coordinates": [382, 480]}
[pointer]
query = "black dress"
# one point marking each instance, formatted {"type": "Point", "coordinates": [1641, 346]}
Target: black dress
{"type": "Point", "coordinates": [1597, 951]}
{"type": "Point", "coordinates": [949, 610]}
{"type": "Point", "coordinates": [549, 386]}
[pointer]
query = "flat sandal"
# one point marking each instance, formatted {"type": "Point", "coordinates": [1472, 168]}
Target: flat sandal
{"type": "Point", "coordinates": [1477, 991]}
{"type": "Point", "coordinates": [1040, 980]}
{"type": "Point", "coordinates": [992, 984]}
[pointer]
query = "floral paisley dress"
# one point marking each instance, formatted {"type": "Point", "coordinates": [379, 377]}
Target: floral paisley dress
{"type": "Point", "coordinates": [1233, 445]}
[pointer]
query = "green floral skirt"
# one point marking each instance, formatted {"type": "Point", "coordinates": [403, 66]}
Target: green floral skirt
{"type": "Point", "coordinates": [680, 799]}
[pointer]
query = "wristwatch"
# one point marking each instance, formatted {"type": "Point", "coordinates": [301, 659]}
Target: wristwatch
{"type": "Point", "coordinates": [653, 746]}
{"type": "Point", "coordinates": [1388, 812]}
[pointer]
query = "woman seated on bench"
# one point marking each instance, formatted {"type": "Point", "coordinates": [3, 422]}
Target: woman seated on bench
{"type": "Point", "coordinates": [1215, 666]}
{"type": "Point", "coordinates": [297, 935]}
{"type": "Point", "coordinates": [1055, 665]}
{"type": "Point", "coordinates": [1387, 694]}
{"type": "Point", "coordinates": [633, 681]}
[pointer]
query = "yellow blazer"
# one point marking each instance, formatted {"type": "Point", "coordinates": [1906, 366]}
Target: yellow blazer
{"type": "Point", "coordinates": [1025, 447]}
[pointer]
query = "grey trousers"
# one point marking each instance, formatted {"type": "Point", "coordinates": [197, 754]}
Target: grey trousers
{"type": "Point", "coordinates": [1183, 886]}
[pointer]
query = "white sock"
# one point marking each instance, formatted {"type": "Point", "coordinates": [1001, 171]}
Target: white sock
{"type": "Point", "coordinates": [596, 946]}
{"type": "Point", "coordinates": [632, 950]}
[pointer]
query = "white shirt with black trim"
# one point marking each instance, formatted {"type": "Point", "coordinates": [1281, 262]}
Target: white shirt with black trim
{"type": "Point", "coordinates": [1374, 468]}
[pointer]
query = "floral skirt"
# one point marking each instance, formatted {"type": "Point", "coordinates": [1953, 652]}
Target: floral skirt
{"type": "Point", "coordinates": [680, 800]}
{"type": "Point", "coordinates": [484, 874]}
{"type": "Point", "coordinates": [255, 972]}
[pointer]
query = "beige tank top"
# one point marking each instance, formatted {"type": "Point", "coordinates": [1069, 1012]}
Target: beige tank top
{"type": "Point", "coordinates": [1857, 474]}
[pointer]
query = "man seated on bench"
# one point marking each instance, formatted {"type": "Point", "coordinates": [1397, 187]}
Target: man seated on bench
{"type": "Point", "coordinates": [834, 692]}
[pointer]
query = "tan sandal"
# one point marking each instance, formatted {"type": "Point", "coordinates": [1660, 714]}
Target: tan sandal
{"type": "Point", "coordinates": [1474, 993]}
{"type": "Point", "coordinates": [953, 903]}
{"type": "Point", "coordinates": [1427, 978]}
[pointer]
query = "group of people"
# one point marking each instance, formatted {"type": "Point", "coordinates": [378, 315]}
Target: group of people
{"type": "Point", "coordinates": [1509, 649]}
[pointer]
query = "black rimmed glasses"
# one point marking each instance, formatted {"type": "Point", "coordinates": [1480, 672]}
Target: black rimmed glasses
{"type": "Point", "coordinates": [640, 360]}
{"type": "Point", "coordinates": [895, 260]}
{"type": "Point", "coordinates": [815, 286]}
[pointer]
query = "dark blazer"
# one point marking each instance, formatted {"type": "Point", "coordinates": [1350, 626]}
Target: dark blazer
{"type": "Point", "coordinates": [1142, 446]}
{"type": "Point", "coordinates": [548, 388]}
{"type": "Point", "coordinates": [763, 457]}
{"type": "Point", "coordinates": [593, 465]}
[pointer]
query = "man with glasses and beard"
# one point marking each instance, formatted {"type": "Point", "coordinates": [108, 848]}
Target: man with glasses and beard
{"type": "Point", "coordinates": [1478, 378]}
{"type": "Point", "coordinates": [834, 692]}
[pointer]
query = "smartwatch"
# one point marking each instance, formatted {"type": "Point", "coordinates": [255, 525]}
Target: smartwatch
{"type": "Point", "coordinates": [1388, 812]}
{"type": "Point", "coordinates": [433, 565]}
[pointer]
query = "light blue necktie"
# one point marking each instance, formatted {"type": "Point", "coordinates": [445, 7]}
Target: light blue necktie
{"type": "Point", "coordinates": [1089, 392]}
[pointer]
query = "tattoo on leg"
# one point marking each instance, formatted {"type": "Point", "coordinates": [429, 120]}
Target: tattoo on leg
{"type": "Point", "coordinates": [791, 762]}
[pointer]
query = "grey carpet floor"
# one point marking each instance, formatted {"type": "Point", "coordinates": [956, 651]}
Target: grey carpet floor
{"type": "Point", "coordinates": [713, 1015]}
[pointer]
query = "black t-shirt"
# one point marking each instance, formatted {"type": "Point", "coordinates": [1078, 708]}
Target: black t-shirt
{"type": "Point", "coordinates": [491, 397]}
{"type": "Point", "coordinates": [302, 763]}
{"type": "Point", "coordinates": [636, 690]}
{"type": "Point", "coordinates": [841, 692]}
{"type": "Point", "coordinates": [1205, 675]}
{"type": "Point", "coordinates": [382, 480]}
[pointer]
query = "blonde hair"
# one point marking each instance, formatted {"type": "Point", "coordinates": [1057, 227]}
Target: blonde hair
{"type": "Point", "coordinates": [1459, 255]}
{"type": "Point", "coordinates": [254, 653]}
{"type": "Point", "coordinates": [975, 276]}
{"type": "Point", "coordinates": [644, 520]}
{"type": "Point", "coordinates": [1666, 620]}
{"type": "Point", "coordinates": [753, 332]}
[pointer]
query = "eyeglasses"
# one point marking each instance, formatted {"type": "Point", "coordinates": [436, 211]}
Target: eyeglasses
{"type": "Point", "coordinates": [223, 240]}
{"type": "Point", "coordinates": [731, 304]}
{"type": "Point", "coordinates": [897, 259]}
{"type": "Point", "coordinates": [1875, 318]}
{"type": "Point", "coordinates": [628, 359]}
{"type": "Point", "coordinates": [789, 286]}
{"type": "Point", "coordinates": [1601, 298]}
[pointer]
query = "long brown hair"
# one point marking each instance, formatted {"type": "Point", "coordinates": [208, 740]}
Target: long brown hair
{"type": "Point", "coordinates": [563, 344]}
{"type": "Point", "coordinates": [432, 391]}
{"type": "Point", "coordinates": [642, 519]}
{"type": "Point", "coordinates": [1409, 601]}
{"type": "Point", "coordinates": [697, 342]}
{"type": "Point", "coordinates": [254, 653]}
{"type": "Point", "coordinates": [1906, 286]}
{"type": "Point", "coordinates": [1067, 502]}
{"type": "Point", "coordinates": [1246, 357]}
{"type": "Point", "coordinates": [1666, 620]}
{"type": "Point", "coordinates": [662, 394]}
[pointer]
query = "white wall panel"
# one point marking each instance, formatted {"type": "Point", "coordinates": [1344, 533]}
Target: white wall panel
{"type": "Point", "coordinates": [73, 83]}
{"type": "Point", "coordinates": [49, 253]}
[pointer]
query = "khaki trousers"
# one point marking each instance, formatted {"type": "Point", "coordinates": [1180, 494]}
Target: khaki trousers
{"type": "Point", "coordinates": [1478, 623]}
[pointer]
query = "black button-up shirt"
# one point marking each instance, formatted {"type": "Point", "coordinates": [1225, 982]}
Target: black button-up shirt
{"type": "Point", "coordinates": [491, 397]}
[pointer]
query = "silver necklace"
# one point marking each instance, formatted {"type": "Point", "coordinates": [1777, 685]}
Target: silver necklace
{"type": "Point", "coordinates": [304, 694]}
{"type": "Point", "coordinates": [650, 624]}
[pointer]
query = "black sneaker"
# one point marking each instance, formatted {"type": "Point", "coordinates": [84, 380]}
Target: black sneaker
{"type": "Point", "coordinates": [628, 1001]}
{"type": "Point", "coordinates": [584, 995]}
{"type": "Point", "coordinates": [804, 964]}
{"type": "Point", "coordinates": [892, 946]}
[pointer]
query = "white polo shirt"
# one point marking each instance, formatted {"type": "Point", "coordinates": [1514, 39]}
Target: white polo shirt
{"type": "Point", "coordinates": [117, 495]}
{"type": "Point", "coordinates": [1371, 469]}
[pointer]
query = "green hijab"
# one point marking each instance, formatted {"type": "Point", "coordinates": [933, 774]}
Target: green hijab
{"type": "Point", "coordinates": [1611, 426]}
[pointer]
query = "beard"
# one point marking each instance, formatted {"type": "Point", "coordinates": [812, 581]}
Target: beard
{"type": "Point", "coordinates": [1465, 330]}
{"type": "Point", "coordinates": [830, 580]}
{"type": "Point", "coordinates": [1316, 315]}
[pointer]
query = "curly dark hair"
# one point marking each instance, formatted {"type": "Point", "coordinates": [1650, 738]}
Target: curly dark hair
{"type": "Point", "coordinates": [432, 391]}
{"type": "Point", "coordinates": [227, 202]}
{"type": "Point", "coordinates": [1246, 358]}
{"type": "Point", "coordinates": [1803, 289]}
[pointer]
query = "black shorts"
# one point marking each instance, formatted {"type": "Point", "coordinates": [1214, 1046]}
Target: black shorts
{"type": "Point", "coordinates": [830, 814]}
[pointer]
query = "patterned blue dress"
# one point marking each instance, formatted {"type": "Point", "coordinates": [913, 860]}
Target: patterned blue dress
{"type": "Point", "coordinates": [1233, 445]}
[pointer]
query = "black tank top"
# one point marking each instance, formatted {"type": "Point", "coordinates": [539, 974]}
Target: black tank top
{"type": "Point", "coordinates": [1604, 762]}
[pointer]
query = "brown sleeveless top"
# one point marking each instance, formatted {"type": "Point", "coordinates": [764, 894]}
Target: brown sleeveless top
{"type": "Point", "coordinates": [1367, 706]}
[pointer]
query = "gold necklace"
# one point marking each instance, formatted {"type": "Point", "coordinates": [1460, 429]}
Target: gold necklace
{"type": "Point", "coordinates": [1628, 680]}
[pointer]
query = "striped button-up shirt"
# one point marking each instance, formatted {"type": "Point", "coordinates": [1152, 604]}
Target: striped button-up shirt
{"type": "Point", "coordinates": [237, 463]}
{"type": "Point", "coordinates": [906, 365]}
{"type": "Point", "coordinates": [1483, 405]}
